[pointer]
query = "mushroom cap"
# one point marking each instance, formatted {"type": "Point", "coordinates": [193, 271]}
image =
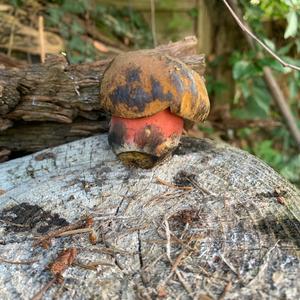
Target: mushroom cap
{"type": "Point", "coordinates": [142, 83]}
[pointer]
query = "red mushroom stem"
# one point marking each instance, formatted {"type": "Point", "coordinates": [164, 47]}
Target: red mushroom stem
{"type": "Point", "coordinates": [145, 140]}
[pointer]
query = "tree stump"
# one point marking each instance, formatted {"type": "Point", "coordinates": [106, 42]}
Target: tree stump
{"type": "Point", "coordinates": [211, 222]}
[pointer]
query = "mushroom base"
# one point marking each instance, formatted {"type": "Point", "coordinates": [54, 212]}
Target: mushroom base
{"type": "Point", "coordinates": [143, 142]}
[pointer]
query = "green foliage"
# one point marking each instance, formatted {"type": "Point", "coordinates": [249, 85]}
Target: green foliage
{"type": "Point", "coordinates": [252, 99]}
{"type": "Point", "coordinates": [288, 166]}
{"type": "Point", "coordinates": [116, 24]}
{"type": "Point", "coordinates": [292, 19]}
{"type": "Point", "coordinates": [177, 21]}
{"type": "Point", "coordinates": [266, 152]}
{"type": "Point", "coordinates": [16, 3]}
{"type": "Point", "coordinates": [125, 23]}
{"type": "Point", "coordinates": [252, 96]}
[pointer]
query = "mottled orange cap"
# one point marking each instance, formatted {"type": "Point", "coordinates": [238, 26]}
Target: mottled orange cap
{"type": "Point", "coordinates": [142, 83]}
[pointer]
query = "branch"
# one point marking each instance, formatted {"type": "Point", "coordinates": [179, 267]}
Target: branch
{"type": "Point", "coordinates": [246, 29]}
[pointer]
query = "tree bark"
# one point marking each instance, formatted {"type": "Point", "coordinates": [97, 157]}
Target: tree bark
{"type": "Point", "coordinates": [211, 222]}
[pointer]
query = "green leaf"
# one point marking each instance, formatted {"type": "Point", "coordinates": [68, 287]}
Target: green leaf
{"type": "Point", "coordinates": [76, 43]}
{"type": "Point", "coordinates": [262, 99]}
{"type": "Point", "coordinates": [75, 7]}
{"type": "Point", "coordinates": [76, 28]}
{"type": "Point", "coordinates": [291, 170]}
{"type": "Point", "coordinates": [286, 49]}
{"type": "Point", "coordinates": [292, 27]}
{"type": "Point", "coordinates": [272, 63]}
{"type": "Point", "coordinates": [240, 68]}
{"type": "Point", "coordinates": [244, 69]}
{"type": "Point", "coordinates": [245, 88]}
{"type": "Point", "coordinates": [265, 151]}
{"type": "Point", "coordinates": [270, 44]}
{"type": "Point", "coordinates": [293, 89]}
{"type": "Point", "coordinates": [292, 3]}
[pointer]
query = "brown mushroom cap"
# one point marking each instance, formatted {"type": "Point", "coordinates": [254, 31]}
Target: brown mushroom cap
{"type": "Point", "coordinates": [140, 84]}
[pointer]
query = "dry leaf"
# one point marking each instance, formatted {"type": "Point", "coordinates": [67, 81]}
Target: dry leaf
{"type": "Point", "coordinates": [63, 261]}
{"type": "Point", "coordinates": [100, 46]}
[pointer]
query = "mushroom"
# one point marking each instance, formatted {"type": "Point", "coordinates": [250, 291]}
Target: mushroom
{"type": "Point", "coordinates": [149, 95]}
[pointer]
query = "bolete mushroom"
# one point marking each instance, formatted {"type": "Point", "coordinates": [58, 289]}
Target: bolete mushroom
{"type": "Point", "coordinates": [148, 96]}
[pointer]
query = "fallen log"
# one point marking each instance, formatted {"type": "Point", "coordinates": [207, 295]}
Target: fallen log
{"type": "Point", "coordinates": [35, 136]}
{"type": "Point", "coordinates": [212, 222]}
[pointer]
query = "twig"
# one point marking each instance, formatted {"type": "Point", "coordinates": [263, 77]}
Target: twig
{"type": "Point", "coordinates": [75, 231]}
{"type": "Point", "coordinates": [246, 29]}
{"type": "Point", "coordinates": [63, 261]}
{"type": "Point", "coordinates": [12, 34]}
{"type": "Point", "coordinates": [163, 182]}
{"type": "Point", "coordinates": [182, 255]}
{"type": "Point", "coordinates": [268, 76]}
{"type": "Point", "coordinates": [282, 105]}
{"type": "Point", "coordinates": [264, 266]}
{"type": "Point", "coordinates": [233, 270]}
{"type": "Point", "coordinates": [42, 38]}
{"type": "Point", "coordinates": [168, 236]}
{"type": "Point", "coordinates": [197, 185]}
{"type": "Point", "coordinates": [18, 262]}
{"type": "Point", "coordinates": [183, 282]}
{"type": "Point", "coordinates": [52, 234]}
{"type": "Point", "coordinates": [12, 223]}
{"type": "Point", "coordinates": [227, 288]}
{"type": "Point", "coordinates": [40, 294]}
{"type": "Point", "coordinates": [93, 265]}
{"type": "Point", "coordinates": [153, 23]}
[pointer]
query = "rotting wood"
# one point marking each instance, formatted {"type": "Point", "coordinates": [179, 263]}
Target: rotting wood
{"type": "Point", "coordinates": [230, 242]}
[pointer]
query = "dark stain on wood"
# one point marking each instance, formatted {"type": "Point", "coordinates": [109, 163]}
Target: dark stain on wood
{"type": "Point", "coordinates": [24, 217]}
{"type": "Point", "coordinates": [184, 178]}
{"type": "Point", "coordinates": [192, 145]}
{"type": "Point", "coordinates": [187, 216]}
{"type": "Point", "coordinates": [286, 230]}
{"type": "Point", "coordinates": [45, 155]}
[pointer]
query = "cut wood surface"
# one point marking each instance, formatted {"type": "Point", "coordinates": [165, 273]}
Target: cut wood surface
{"type": "Point", "coordinates": [211, 222]}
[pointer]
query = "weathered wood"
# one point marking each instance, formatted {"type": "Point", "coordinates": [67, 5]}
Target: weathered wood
{"type": "Point", "coordinates": [233, 235]}
{"type": "Point", "coordinates": [35, 137]}
{"type": "Point", "coordinates": [204, 28]}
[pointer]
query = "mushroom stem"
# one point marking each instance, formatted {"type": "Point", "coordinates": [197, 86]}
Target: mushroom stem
{"type": "Point", "coordinates": [143, 142]}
